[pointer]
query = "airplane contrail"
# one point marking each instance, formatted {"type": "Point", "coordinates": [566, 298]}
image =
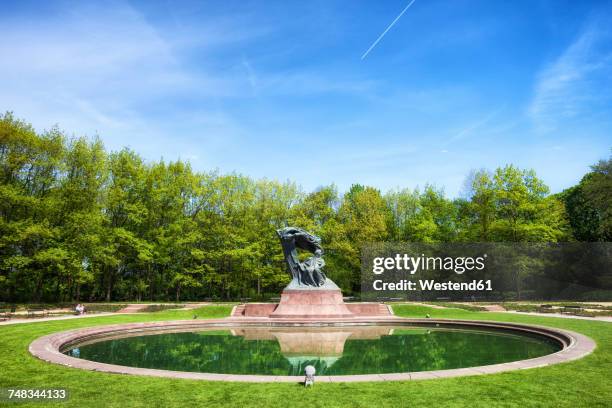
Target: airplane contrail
{"type": "Point", "coordinates": [365, 54]}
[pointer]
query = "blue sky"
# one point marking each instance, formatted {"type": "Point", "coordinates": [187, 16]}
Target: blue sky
{"type": "Point", "coordinates": [279, 89]}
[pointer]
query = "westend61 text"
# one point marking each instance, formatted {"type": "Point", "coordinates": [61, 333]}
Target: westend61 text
{"type": "Point", "coordinates": [406, 285]}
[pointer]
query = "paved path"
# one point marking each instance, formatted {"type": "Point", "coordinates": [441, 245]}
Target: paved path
{"type": "Point", "coordinates": [196, 305]}
{"type": "Point", "coordinates": [46, 319]}
{"type": "Point", "coordinates": [190, 306]}
{"type": "Point", "coordinates": [500, 309]}
{"type": "Point", "coordinates": [432, 305]}
{"type": "Point", "coordinates": [493, 308]}
{"type": "Point", "coordinates": [133, 308]}
{"type": "Point", "coordinates": [565, 316]}
{"type": "Point", "coordinates": [139, 307]}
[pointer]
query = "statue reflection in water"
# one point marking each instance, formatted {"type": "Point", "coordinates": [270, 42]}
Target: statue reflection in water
{"type": "Point", "coordinates": [318, 347]}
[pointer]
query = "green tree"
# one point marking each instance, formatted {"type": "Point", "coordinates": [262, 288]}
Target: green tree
{"type": "Point", "coordinates": [479, 211]}
{"type": "Point", "coordinates": [364, 214]}
{"type": "Point", "coordinates": [79, 222]}
{"type": "Point", "coordinates": [524, 211]}
{"type": "Point", "coordinates": [588, 204]}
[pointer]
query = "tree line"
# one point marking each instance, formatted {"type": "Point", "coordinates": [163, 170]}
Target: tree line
{"type": "Point", "coordinates": [80, 223]}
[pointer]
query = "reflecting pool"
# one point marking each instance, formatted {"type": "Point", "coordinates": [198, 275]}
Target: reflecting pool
{"type": "Point", "coordinates": [332, 350]}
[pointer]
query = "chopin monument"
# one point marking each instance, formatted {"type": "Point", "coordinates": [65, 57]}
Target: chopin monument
{"type": "Point", "coordinates": [309, 272]}
{"type": "Point", "coordinates": [310, 294]}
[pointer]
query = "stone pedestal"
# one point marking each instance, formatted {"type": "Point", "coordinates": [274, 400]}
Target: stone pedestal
{"type": "Point", "coordinates": [322, 302]}
{"type": "Point", "coordinates": [303, 302]}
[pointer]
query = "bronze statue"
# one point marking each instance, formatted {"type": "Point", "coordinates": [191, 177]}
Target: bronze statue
{"type": "Point", "coordinates": [309, 272]}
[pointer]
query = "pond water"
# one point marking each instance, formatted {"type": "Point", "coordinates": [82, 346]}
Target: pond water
{"type": "Point", "coordinates": [332, 350]}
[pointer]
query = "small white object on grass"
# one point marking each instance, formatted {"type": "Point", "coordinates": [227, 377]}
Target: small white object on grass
{"type": "Point", "coordinates": [310, 373]}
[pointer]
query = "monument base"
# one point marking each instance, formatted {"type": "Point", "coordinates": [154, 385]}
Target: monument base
{"type": "Point", "coordinates": [311, 304]}
{"type": "Point", "coordinates": [321, 302]}
{"type": "Point", "coordinates": [299, 301]}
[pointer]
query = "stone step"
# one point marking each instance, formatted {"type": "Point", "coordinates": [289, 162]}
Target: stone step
{"type": "Point", "coordinates": [238, 311]}
{"type": "Point", "coordinates": [266, 309]}
{"type": "Point", "coordinates": [383, 310]}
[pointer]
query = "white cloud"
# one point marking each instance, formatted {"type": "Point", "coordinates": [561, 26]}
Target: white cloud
{"type": "Point", "coordinates": [574, 85]}
{"type": "Point", "coordinates": [108, 70]}
{"type": "Point", "coordinates": [96, 70]}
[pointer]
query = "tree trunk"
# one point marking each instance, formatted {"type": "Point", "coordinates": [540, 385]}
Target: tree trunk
{"type": "Point", "coordinates": [150, 278]}
{"type": "Point", "coordinates": [57, 290]}
{"type": "Point", "coordinates": [109, 285]}
{"type": "Point", "coordinates": [37, 292]}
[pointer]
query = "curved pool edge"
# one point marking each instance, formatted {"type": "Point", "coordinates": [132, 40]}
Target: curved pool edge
{"type": "Point", "coordinates": [48, 348]}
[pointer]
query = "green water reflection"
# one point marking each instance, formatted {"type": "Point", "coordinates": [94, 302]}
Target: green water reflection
{"type": "Point", "coordinates": [333, 351]}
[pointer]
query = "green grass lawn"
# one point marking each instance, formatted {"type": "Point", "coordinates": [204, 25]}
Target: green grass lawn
{"type": "Point", "coordinates": [582, 383]}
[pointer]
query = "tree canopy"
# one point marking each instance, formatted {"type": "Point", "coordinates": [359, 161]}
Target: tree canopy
{"type": "Point", "coordinates": [78, 222]}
